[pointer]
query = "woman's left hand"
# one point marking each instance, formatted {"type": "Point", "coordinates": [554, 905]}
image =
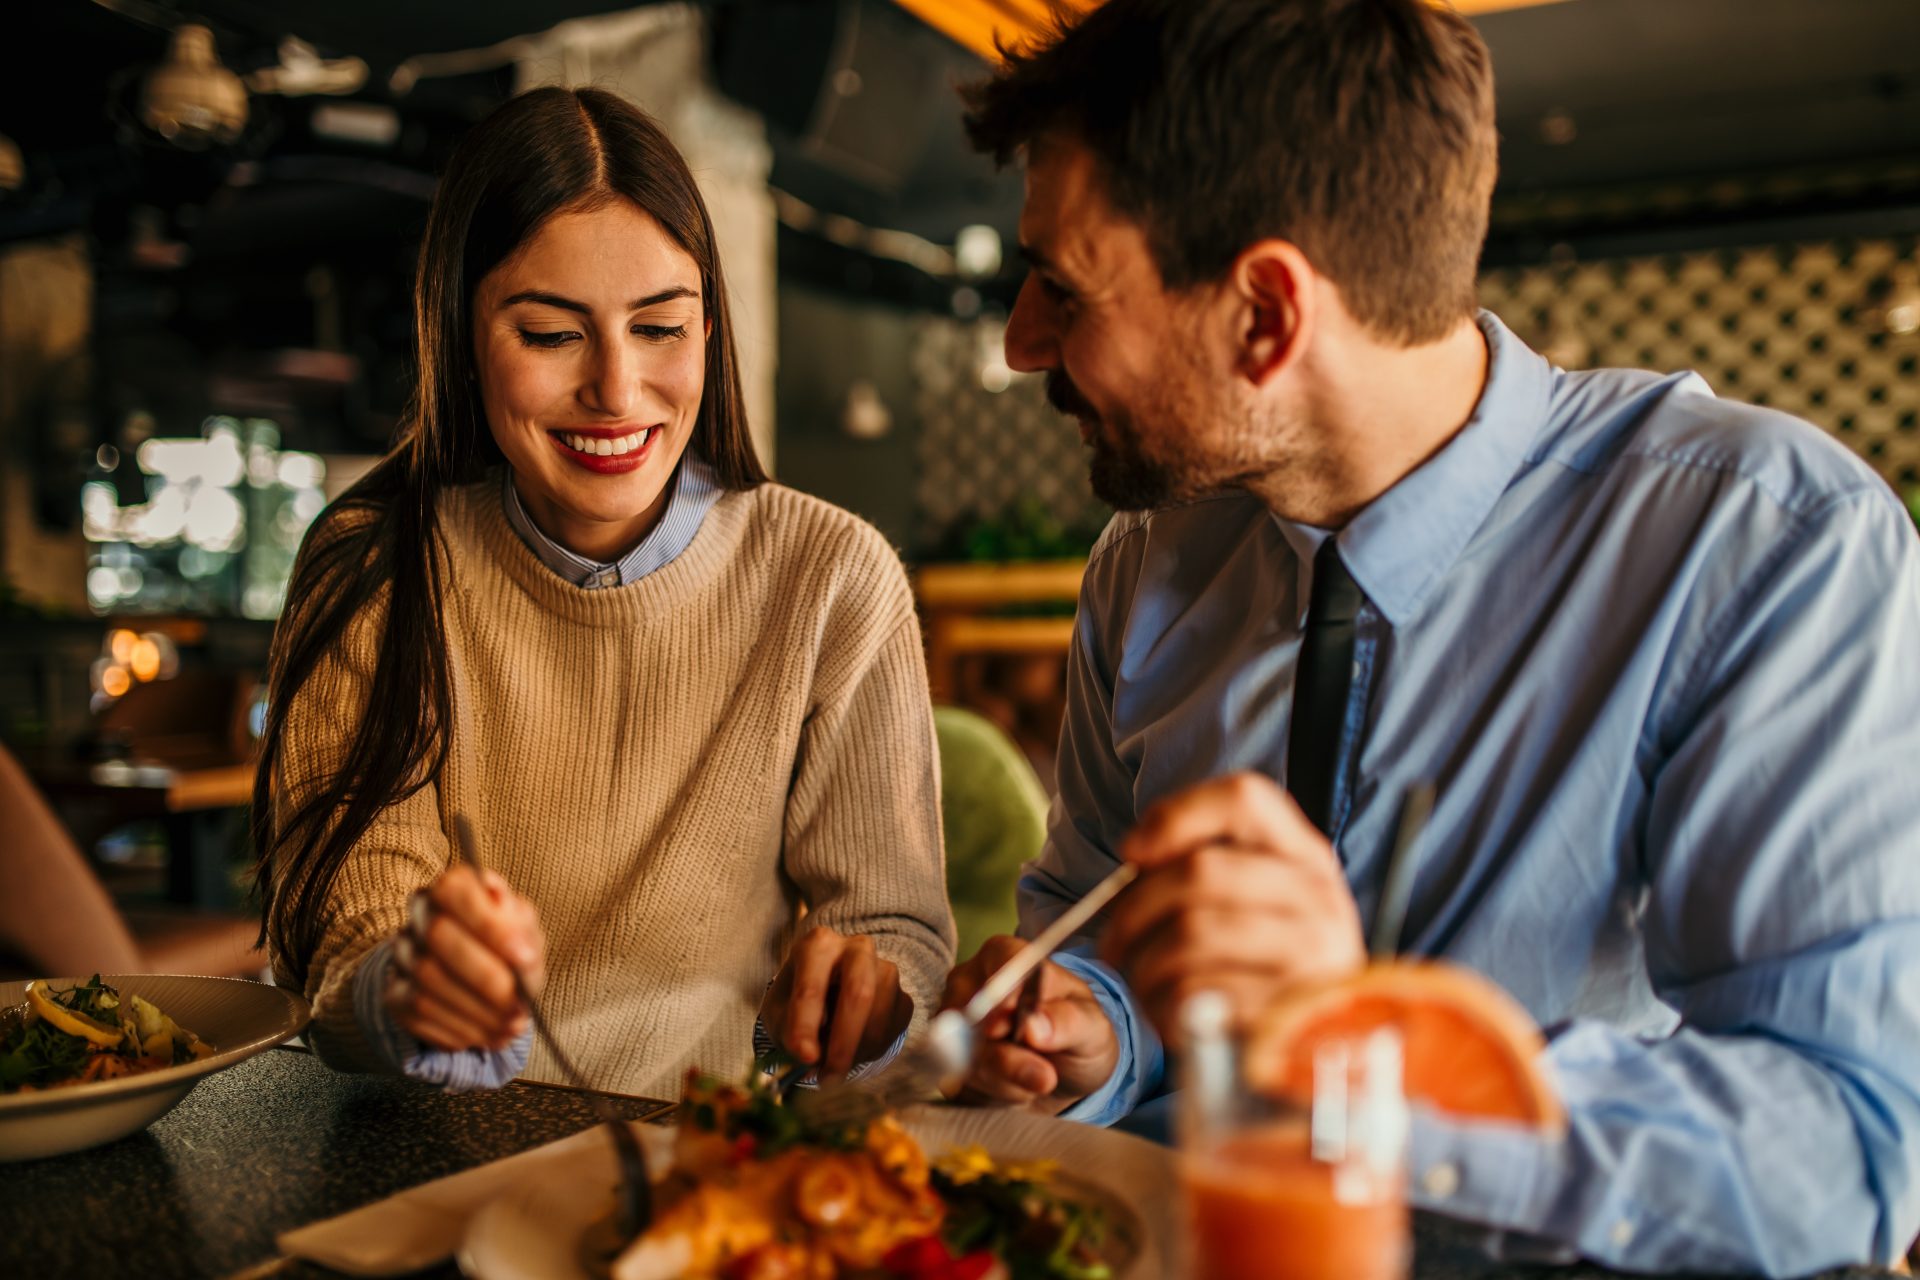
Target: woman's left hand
{"type": "Point", "coordinates": [839, 990]}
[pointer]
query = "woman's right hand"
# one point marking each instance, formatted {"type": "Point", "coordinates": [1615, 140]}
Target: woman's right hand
{"type": "Point", "coordinates": [454, 963]}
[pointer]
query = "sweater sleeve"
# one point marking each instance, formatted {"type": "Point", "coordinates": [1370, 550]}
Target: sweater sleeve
{"type": "Point", "coordinates": [862, 839]}
{"type": "Point", "coordinates": [402, 850]}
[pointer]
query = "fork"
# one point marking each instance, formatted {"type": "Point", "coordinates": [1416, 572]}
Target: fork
{"type": "Point", "coordinates": [947, 1050]}
{"type": "Point", "coordinates": [634, 1210]}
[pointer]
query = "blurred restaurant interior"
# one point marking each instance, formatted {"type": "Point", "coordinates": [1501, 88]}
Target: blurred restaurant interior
{"type": "Point", "coordinates": [209, 213]}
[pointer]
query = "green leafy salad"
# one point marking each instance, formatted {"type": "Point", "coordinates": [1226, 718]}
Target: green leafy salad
{"type": "Point", "coordinates": [87, 1032]}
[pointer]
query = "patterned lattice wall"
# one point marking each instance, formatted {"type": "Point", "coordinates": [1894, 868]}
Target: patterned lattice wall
{"type": "Point", "coordinates": [984, 452]}
{"type": "Point", "coordinates": [1800, 327]}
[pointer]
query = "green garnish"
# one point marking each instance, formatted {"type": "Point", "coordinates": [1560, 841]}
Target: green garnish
{"type": "Point", "coordinates": [1039, 1233]}
{"type": "Point", "coordinates": [38, 1054]}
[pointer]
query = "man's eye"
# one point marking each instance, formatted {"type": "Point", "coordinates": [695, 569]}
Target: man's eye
{"type": "Point", "coordinates": [547, 338]}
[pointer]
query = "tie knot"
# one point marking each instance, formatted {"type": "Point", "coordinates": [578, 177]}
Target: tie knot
{"type": "Point", "coordinates": [1336, 596]}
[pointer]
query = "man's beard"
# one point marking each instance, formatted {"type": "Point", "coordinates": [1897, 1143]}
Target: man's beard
{"type": "Point", "coordinates": [1122, 476]}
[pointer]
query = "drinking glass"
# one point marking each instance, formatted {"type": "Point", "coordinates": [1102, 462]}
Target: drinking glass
{"type": "Point", "coordinates": [1294, 1189]}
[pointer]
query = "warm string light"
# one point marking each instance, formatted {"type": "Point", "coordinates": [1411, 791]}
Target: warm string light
{"type": "Point", "coordinates": [130, 658]}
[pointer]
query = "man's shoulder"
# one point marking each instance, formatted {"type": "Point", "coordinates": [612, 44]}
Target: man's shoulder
{"type": "Point", "coordinates": [1129, 532]}
{"type": "Point", "coordinates": [1648, 423]}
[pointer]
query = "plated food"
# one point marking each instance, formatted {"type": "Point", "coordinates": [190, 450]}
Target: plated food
{"type": "Point", "coordinates": [186, 1028]}
{"type": "Point", "coordinates": [757, 1192]}
{"type": "Point", "coordinates": [63, 1036]}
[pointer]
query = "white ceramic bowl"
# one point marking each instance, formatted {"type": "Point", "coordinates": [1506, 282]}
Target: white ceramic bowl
{"type": "Point", "coordinates": [237, 1017]}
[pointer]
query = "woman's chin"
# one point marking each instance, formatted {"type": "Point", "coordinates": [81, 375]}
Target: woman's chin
{"type": "Point", "coordinates": [572, 502]}
{"type": "Point", "coordinates": [633, 503]}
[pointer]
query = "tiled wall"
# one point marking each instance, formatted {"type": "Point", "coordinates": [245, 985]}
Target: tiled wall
{"type": "Point", "coordinates": [1801, 327]}
{"type": "Point", "coordinates": [988, 441]}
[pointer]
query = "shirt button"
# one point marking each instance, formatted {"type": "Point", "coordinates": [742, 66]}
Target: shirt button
{"type": "Point", "coordinates": [1356, 669]}
{"type": "Point", "coordinates": [1441, 1181]}
{"type": "Point", "coordinates": [1622, 1234]}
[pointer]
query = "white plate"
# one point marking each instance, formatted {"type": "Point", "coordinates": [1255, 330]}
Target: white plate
{"type": "Point", "coordinates": [237, 1017]}
{"type": "Point", "coordinates": [534, 1231]}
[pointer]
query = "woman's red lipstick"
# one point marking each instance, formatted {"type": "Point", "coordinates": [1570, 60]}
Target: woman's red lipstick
{"type": "Point", "coordinates": [629, 446]}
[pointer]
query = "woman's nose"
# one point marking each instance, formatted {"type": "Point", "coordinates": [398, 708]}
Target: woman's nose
{"type": "Point", "coordinates": [614, 380]}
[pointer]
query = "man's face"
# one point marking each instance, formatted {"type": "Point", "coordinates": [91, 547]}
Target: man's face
{"type": "Point", "coordinates": [1135, 364]}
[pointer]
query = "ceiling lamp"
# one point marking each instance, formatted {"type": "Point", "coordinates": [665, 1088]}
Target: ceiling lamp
{"type": "Point", "coordinates": [191, 100]}
{"type": "Point", "coordinates": [302, 71]}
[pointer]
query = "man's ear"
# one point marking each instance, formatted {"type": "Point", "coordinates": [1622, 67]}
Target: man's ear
{"type": "Point", "coordinates": [1273, 285]}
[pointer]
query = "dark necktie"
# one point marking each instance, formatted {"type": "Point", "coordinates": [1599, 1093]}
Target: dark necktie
{"type": "Point", "coordinates": [1320, 686]}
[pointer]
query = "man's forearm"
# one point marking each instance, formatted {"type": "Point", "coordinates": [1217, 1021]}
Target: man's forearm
{"type": "Point", "coordinates": [1695, 1153]}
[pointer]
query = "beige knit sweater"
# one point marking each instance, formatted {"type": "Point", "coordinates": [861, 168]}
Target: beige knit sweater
{"type": "Point", "coordinates": [670, 771]}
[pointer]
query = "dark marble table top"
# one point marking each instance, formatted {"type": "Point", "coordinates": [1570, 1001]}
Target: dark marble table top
{"type": "Point", "coordinates": [281, 1140]}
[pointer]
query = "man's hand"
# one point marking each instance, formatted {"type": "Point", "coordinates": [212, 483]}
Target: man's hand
{"type": "Point", "coordinates": [454, 963]}
{"type": "Point", "coordinates": [1066, 1050]}
{"type": "Point", "coordinates": [1238, 893]}
{"type": "Point", "coordinates": [836, 989]}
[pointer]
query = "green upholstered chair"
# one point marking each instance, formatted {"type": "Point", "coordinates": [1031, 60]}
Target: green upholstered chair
{"type": "Point", "coordinates": [996, 818]}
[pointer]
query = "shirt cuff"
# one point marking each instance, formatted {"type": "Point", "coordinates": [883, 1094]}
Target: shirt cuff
{"type": "Point", "coordinates": [1512, 1180]}
{"type": "Point", "coordinates": [1480, 1172]}
{"type": "Point", "coordinates": [1139, 1073]}
{"type": "Point", "coordinates": [456, 1071]}
{"type": "Point", "coordinates": [763, 1045]}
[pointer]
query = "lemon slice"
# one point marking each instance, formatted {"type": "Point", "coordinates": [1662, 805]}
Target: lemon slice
{"type": "Point", "coordinates": [70, 1021]}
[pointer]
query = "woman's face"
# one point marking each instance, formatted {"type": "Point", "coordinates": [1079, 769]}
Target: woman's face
{"type": "Point", "coordinates": [590, 342]}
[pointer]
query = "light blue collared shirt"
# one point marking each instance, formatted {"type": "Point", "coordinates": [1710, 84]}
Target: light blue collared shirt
{"type": "Point", "coordinates": [1661, 653]}
{"type": "Point", "coordinates": [695, 490]}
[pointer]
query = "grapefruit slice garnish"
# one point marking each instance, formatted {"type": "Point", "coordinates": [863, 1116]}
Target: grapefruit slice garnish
{"type": "Point", "coordinates": [1469, 1049]}
{"type": "Point", "coordinates": [72, 1021]}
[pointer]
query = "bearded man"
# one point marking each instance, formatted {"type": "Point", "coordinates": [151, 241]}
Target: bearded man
{"type": "Point", "coordinates": [1659, 652]}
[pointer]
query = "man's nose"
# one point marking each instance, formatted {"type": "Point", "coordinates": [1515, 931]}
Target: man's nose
{"type": "Point", "coordinates": [1030, 339]}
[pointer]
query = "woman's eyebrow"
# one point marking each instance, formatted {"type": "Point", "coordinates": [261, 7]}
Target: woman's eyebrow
{"type": "Point", "coordinates": [568, 304]}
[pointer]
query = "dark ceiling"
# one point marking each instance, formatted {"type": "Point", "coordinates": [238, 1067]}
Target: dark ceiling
{"type": "Point", "coordinates": [389, 31]}
{"type": "Point", "coordinates": [1658, 88]}
{"type": "Point", "coordinates": [1591, 91]}
{"type": "Point", "coordinates": [1593, 94]}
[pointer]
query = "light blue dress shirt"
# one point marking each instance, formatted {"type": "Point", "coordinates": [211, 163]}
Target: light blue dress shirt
{"type": "Point", "coordinates": [1661, 654]}
{"type": "Point", "coordinates": [695, 490]}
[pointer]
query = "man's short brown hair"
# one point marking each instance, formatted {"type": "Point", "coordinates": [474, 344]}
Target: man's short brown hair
{"type": "Point", "coordinates": [1360, 130]}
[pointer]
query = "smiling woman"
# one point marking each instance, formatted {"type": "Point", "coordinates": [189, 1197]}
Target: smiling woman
{"type": "Point", "coordinates": [679, 706]}
{"type": "Point", "coordinates": [582, 380]}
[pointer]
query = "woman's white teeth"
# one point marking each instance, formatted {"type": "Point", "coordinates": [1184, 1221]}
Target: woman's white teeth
{"type": "Point", "coordinates": [602, 447]}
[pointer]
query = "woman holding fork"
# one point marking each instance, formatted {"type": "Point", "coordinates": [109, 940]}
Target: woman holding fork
{"type": "Point", "coordinates": [679, 706]}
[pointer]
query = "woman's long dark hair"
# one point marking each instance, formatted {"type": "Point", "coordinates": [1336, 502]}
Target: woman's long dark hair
{"type": "Point", "coordinates": [542, 153]}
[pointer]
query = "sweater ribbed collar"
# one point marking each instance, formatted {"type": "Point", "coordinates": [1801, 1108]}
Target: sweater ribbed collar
{"type": "Point", "coordinates": [476, 523]}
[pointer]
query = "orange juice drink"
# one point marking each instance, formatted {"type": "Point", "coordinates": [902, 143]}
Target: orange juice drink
{"type": "Point", "coordinates": [1261, 1208]}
